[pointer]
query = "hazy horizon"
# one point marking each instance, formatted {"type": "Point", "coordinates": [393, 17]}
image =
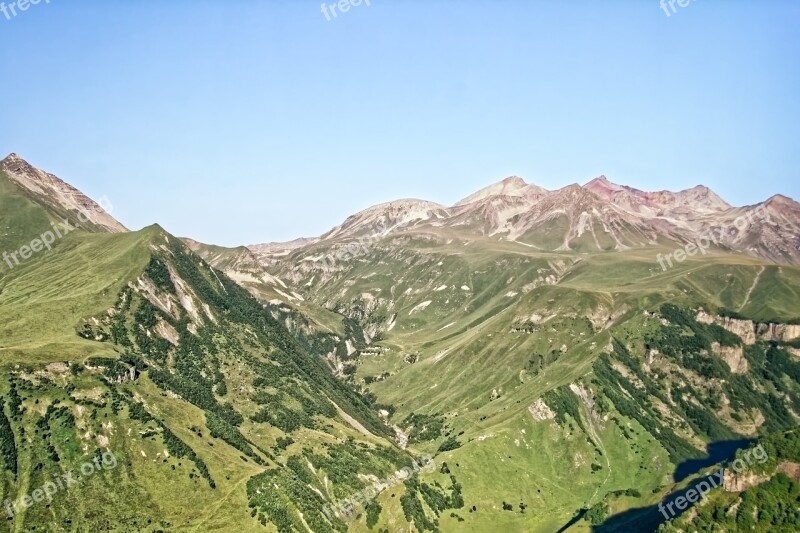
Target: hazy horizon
{"type": "Point", "coordinates": [254, 122]}
{"type": "Point", "coordinates": [337, 223]}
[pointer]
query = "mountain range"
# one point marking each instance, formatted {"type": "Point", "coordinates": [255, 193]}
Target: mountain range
{"type": "Point", "coordinates": [561, 374]}
{"type": "Point", "coordinates": [598, 216]}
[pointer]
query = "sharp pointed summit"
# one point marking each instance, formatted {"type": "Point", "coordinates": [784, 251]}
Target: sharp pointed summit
{"type": "Point", "coordinates": [61, 197]}
{"type": "Point", "coordinates": [602, 187]}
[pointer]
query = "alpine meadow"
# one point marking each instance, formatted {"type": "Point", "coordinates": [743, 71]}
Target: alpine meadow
{"type": "Point", "coordinates": [416, 338]}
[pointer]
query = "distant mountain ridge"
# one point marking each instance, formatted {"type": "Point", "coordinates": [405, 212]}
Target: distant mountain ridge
{"type": "Point", "coordinates": [597, 216]}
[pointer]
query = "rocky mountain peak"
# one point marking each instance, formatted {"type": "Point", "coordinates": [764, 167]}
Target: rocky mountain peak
{"type": "Point", "coordinates": [383, 218]}
{"type": "Point", "coordinates": [15, 163]}
{"type": "Point", "coordinates": [602, 187]}
{"type": "Point", "coordinates": [700, 197]}
{"type": "Point", "coordinates": [63, 197]}
{"type": "Point", "coordinates": [780, 200]}
{"type": "Point", "coordinates": [510, 186]}
{"type": "Point", "coordinates": [514, 181]}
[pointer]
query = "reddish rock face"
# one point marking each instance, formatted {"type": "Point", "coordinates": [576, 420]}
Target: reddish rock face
{"type": "Point", "coordinates": [599, 215]}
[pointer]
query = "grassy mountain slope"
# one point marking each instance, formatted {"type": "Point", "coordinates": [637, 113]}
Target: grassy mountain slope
{"type": "Point", "coordinates": [516, 357]}
{"type": "Point", "coordinates": [217, 416]}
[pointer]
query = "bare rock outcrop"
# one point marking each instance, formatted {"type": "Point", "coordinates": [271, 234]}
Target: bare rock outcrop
{"type": "Point", "coordinates": [733, 355]}
{"type": "Point", "coordinates": [743, 328]}
{"type": "Point", "coordinates": [741, 481]}
{"type": "Point", "coordinates": [541, 411]}
{"type": "Point", "coordinates": [778, 332]}
{"type": "Point", "coordinates": [750, 331]}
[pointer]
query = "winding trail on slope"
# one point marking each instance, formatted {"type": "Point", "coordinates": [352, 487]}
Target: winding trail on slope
{"type": "Point", "coordinates": [221, 502]}
{"type": "Point", "coordinates": [753, 286]}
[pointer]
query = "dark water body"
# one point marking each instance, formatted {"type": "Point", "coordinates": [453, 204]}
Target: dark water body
{"type": "Point", "coordinates": [647, 519]}
{"type": "Point", "coordinates": [717, 452]}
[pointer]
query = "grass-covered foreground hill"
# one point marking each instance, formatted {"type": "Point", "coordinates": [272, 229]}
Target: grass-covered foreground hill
{"type": "Point", "coordinates": [129, 344]}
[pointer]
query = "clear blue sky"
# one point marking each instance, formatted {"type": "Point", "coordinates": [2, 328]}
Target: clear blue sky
{"type": "Point", "coordinates": [237, 122]}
